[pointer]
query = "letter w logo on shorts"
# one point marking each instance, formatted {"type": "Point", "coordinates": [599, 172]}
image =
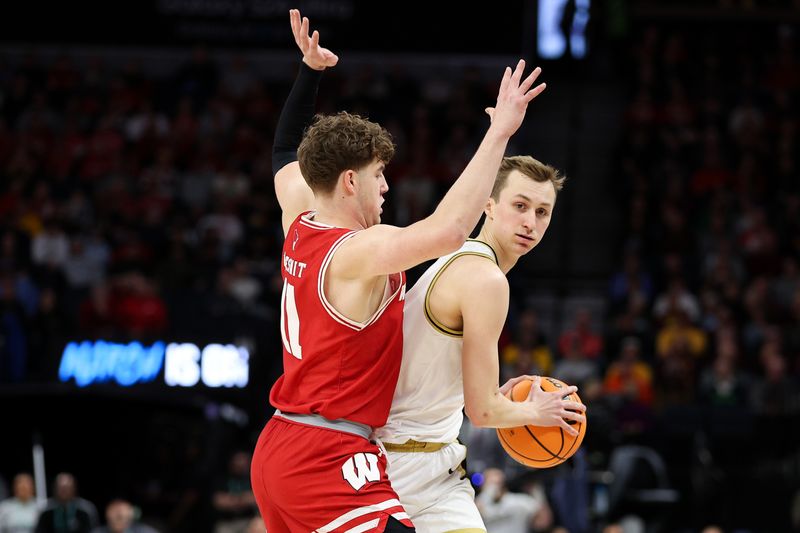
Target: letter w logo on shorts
{"type": "Point", "coordinates": [360, 468]}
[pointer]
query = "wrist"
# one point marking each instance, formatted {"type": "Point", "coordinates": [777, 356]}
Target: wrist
{"type": "Point", "coordinates": [496, 134]}
{"type": "Point", "coordinates": [313, 66]}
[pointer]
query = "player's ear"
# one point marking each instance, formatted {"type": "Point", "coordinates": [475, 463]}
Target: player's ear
{"type": "Point", "coordinates": [347, 179]}
{"type": "Point", "coordinates": [488, 209]}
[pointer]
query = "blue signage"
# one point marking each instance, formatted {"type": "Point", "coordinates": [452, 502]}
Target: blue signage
{"type": "Point", "coordinates": [184, 364]}
{"type": "Point", "coordinates": [101, 362]}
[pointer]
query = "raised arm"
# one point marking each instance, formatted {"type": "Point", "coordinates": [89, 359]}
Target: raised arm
{"type": "Point", "coordinates": [392, 249]}
{"type": "Point", "coordinates": [294, 195]}
{"type": "Point", "coordinates": [483, 298]}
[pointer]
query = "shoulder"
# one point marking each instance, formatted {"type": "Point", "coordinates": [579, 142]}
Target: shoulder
{"type": "Point", "coordinates": [476, 272]}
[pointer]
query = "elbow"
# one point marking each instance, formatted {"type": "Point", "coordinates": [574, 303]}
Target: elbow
{"type": "Point", "coordinates": [447, 232]}
{"type": "Point", "coordinates": [452, 237]}
{"type": "Point", "coordinates": [478, 416]}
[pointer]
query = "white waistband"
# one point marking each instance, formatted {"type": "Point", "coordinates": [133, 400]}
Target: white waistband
{"type": "Point", "coordinates": [346, 426]}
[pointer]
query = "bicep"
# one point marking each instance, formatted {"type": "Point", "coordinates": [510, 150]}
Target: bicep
{"type": "Point", "coordinates": [392, 249]}
{"type": "Point", "coordinates": [293, 193]}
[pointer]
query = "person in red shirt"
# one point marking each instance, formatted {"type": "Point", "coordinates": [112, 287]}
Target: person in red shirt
{"type": "Point", "coordinates": [314, 467]}
{"type": "Point", "coordinates": [581, 335]}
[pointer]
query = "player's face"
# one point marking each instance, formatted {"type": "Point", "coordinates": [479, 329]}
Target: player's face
{"type": "Point", "coordinates": [521, 215]}
{"type": "Point", "coordinates": [372, 187]}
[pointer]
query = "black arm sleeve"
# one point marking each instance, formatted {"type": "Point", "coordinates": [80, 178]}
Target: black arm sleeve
{"type": "Point", "coordinates": [296, 116]}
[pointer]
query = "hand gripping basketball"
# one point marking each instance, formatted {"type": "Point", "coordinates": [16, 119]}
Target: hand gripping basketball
{"type": "Point", "coordinates": [558, 431]}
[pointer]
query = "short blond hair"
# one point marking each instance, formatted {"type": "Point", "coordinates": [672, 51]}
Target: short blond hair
{"type": "Point", "coordinates": [527, 166]}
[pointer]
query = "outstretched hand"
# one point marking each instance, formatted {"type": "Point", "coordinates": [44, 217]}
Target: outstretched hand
{"type": "Point", "coordinates": [314, 55]}
{"type": "Point", "coordinates": [513, 98]}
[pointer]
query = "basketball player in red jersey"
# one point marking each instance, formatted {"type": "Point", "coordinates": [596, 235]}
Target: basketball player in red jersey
{"type": "Point", "coordinates": [314, 468]}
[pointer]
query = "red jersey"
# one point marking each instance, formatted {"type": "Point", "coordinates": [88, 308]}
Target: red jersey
{"type": "Point", "coordinates": [333, 366]}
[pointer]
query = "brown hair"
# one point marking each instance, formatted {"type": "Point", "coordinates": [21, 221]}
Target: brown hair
{"type": "Point", "coordinates": [527, 166]}
{"type": "Point", "coordinates": [335, 143]}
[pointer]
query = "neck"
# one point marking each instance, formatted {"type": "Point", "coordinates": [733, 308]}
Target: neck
{"type": "Point", "coordinates": [505, 260]}
{"type": "Point", "coordinates": [337, 213]}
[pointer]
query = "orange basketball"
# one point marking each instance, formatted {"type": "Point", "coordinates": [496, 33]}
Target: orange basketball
{"type": "Point", "coordinates": [540, 447]}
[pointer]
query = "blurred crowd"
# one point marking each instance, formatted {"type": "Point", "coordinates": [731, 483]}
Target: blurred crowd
{"type": "Point", "coordinates": [702, 328]}
{"type": "Point", "coordinates": [135, 205]}
{"type": "Point", "coordinates": [232, 503]}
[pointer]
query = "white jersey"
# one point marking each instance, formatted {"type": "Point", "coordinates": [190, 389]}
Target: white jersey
{"type": "Point", "coordinates": [429, 398]}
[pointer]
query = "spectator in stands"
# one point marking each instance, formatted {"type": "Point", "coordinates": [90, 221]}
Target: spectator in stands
{"type": "Point", "coordinates": [233, 500]}
{"type": "Point", "coordinates": [629, 376]}
{"type": "Point", "coordinates": [121, 518]}
{"type": "Point", "coordinates": [504, 511]}
{"type": "Point", "coordinates": [680, 336]}
{"type": "Point", "coordinates": [581, 337]}
{"type": "Point", "coordinates": [631, 283]}
{"type": "Point", "coordinates": [51, 246]}
{"type": "Point", "coordinates": [19, 513]}
{"type": "Point", "coordinates": [574, 368]}
{"type": "Point", "coordinates": [723, 384]}
{"type": "Point", "coordinates": [256, 525]}
{"type": "Point", "coordinates": [13, 332]}
{"type": "Point", "coordinates": [775, 392]}
{"type": "Point", "coordinates": [66, 512]}
{"type": "Point", "coordinates": [528, 352]}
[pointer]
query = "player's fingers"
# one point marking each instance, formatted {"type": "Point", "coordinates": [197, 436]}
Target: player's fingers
{"type": "Point", "coordinates": [330, 58]}
{"type": "Point", "coordinates": [505, 80]}
{"type": "Point", "coordinates": [528, 81]}
{"type": "Point", "coordinates": [518, 72]}
{"type": "Point", "coordinates": [294, 20]}
{"type": "Point", "coordinates": [304, 28]}
{"type": "Point", "coordinates": [315, 39]}
{"type": "Point", "coordinates": [536, 384]}
{"type": "Point", "coordinates": [569, 429]}
{"type": "Point", "coordinates": [508, 385]}
{"type": "Point", "coordinates": [577, 417]}
{"type": "Point", "coordinates": [536, 91]}
{"type": "Point", "coordinates": [574, 406]}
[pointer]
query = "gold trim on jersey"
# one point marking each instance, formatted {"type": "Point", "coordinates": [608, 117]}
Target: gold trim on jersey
{"type": "Point", "coordinates": [435, 324]}
{"type": "Point", "coordinates": [489, 246]}
{"type": "Point", "coordinates": [412, 445]}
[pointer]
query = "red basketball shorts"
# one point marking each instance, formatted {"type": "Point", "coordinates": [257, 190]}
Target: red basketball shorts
{"type": "Point", "coordinates": [313, 479]}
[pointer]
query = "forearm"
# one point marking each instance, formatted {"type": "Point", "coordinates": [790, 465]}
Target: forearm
{"type": "Point", "coordinates": [496, 411]}
{"type": "Point", "coordinates": [296, 115]}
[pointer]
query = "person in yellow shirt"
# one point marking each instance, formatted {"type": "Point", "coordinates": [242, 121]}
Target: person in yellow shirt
{"type": "Point", "coordinates": [528, 352]}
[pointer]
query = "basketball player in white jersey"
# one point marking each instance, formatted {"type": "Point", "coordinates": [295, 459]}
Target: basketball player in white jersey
{"type": "Point", "coordinates": [452, 321]}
